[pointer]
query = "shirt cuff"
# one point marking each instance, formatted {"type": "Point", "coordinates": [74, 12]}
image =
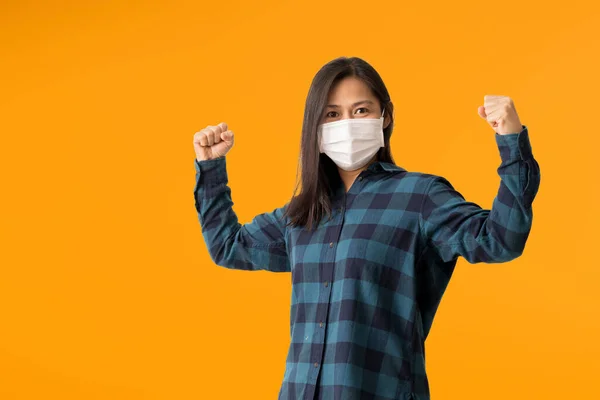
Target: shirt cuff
{"type": "Point", "coordinates": [514, 146]}
{"type": "Point", "coordinates": [210, 172]}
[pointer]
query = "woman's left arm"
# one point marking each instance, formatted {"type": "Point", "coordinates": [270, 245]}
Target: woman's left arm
{"type": "Point", "coordinates": [456, 227]}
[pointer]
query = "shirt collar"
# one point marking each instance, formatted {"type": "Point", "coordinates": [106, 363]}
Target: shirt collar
{"type": "Point", "coordinates": [385, 166]}
{"type": "Point", "coordinates": [377, 166]}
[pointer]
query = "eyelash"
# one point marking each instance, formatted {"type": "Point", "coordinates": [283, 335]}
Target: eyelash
{"type": "Point", "coordinates": [361, 108]}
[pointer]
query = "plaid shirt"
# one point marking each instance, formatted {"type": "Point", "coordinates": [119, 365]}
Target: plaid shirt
{"type": "Point", "coordinates": [367, 283]}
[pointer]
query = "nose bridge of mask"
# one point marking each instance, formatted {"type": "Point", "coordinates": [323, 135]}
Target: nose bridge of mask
{"type": "Point", "coordinates": [361, 129]}
{"type": "Point", "coordinates": [355, 129]}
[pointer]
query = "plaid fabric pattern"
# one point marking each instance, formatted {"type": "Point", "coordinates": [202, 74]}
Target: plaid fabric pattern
{"type": "Point", "coordinates": [367, 283]}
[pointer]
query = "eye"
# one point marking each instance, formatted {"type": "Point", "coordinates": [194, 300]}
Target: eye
{"type": "Point", "coordinates": [330, 116]}
{"type": "Point", "coordinates": [363, 108]}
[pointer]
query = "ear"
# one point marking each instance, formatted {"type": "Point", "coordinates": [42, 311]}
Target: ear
{"type": "Point", "coordinates": [386, 121]}
{"type": "Point", "coordinates": [386, 118]}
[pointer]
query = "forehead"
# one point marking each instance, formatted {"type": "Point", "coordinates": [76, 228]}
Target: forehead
{"type": "Point", "coordinates": [349, 90]}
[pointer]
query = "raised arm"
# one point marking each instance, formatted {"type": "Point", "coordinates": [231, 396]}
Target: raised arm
{"type": "Point", "coordinates": [258, 245]}
{"type": "Point", "coordinates": [456, 227]}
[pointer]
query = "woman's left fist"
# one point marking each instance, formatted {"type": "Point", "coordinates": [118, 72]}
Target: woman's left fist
{"type": "Point", "coordinates": [500, 113]}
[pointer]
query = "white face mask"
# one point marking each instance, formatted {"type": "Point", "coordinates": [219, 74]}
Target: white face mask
{"type": "Point", "coordinates": [351, 142]}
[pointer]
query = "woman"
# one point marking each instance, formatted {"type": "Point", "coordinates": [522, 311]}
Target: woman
{"type": "Point", "coordinates": [370, 245]}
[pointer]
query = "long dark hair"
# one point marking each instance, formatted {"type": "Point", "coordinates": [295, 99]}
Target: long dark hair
{"type": "Point", "coordinates": [319, 173]}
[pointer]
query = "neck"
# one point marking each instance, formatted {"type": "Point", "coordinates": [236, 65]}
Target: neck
{"type": "Point", "coordinates": [348, 177]}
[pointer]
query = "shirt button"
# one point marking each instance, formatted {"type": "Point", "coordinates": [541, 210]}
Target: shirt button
{"type": "Point", "coordinates": [331, 244]}
{"type": "Point", "coordinates": [360, 178]}
{"type": "Point", "coordinates": [316, 365]}
{"type": "Point", "coordinates": [320, 324]}
{"type": "Point", "coordinates": [326, 283]}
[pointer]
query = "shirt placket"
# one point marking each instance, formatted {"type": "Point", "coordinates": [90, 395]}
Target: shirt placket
{"type": "Point", "coordinates": [328, 266]}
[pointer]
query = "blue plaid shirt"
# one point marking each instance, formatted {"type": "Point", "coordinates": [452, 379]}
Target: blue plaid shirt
{"type": "Point", "coordinates": [367, 283]}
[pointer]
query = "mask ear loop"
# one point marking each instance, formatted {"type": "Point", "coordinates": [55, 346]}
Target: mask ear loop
{"type": "Point", "coordinates": [382, 113]}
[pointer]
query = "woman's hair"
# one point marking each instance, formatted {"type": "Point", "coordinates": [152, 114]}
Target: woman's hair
{"type": "Point", "coordinates": [319, 174]}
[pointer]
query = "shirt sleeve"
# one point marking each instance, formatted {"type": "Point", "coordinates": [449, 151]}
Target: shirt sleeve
{"type": "Point", "coordinates": [456, 227]}
{"type": "Point", "coordinates": [257, 245]}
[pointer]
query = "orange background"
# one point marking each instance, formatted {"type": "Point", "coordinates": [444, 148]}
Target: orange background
{"type": "Point", "coordinates": [106, 287]}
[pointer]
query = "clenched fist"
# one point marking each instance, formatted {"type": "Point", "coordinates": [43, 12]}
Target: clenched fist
{"type": "Point", "coordinates": [500, 113]}
{"type": "Point", "coordinates": [212, 142]}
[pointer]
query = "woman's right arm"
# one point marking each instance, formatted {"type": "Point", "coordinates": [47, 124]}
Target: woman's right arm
{"type": "Point", "coordinates": [257, 245]}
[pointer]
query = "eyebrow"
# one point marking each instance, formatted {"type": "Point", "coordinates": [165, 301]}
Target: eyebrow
{"type": "Point", "coordinates": [353, 105]}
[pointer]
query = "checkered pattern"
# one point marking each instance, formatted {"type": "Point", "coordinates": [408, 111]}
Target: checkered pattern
{"type": "Point", "coordinates": [367, 283]}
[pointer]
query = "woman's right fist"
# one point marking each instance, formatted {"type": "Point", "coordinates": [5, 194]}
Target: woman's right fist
{"type": "Point", "coordinates": [212, 142]}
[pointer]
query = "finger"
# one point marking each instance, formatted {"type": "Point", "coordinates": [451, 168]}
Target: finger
{"type": "Point", "coordinates": [227, 136]}
{"type": "Point", "coordinates": [222, 127]}
{"type": "Point", "coordinates": [210, 128]}
{"type": "Point", "coordinates": [210, 137]}
{"type": "Point", "coordinates": [490, 103]}
{"type": "Point", "coordinates": [216, 137]}
{"type": "Point", "coordinates": [481, 111]}
{"type": "Point", "coordinates": [491, 97]}
{"type": "Point", "coordinates": [202, 139]}
{"type": "Point", "coordinates": [214, 130]}
{"type": "Point", "coordinates": [209, 132]}
{"type": "Point", "coordinates": [490, 108]}
{"type": "Point", "coordinates": [493, 116]}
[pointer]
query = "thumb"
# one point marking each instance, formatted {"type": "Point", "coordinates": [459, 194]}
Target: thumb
{"type": "Point", "coordinates": [227, 137]}
{"type": "Point", "coordinates": [481, 112]}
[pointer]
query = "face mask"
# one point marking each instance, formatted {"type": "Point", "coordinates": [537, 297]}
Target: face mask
{"type": "Point", "coordinates": [352, 142]}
